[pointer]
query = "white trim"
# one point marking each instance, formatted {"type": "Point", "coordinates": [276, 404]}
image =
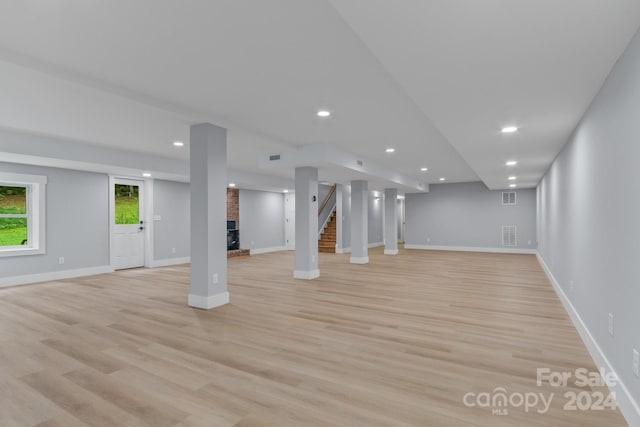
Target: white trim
{"type": "Point", "coordinates": [53, 275]}
{"type": "Point", "coordinates": [20, 178]}
{"type": "Point", "coordinates": [306, 275]}
{"type": "Point", "coordinates": [375, 244]}
{"type": "Point", "coordinates": [169, 262]}
{"type": "Point", "coordinates": [267, 250]}
{"type": "Point", "coordinates": [343, 250]}
{"type": "Point", "coordinates": [206, 303]}
{"type": "Point", "coordinates": [359, 260]}
{"type": "Point", "coordinates": [472, 249]}
{"type": "Point", "coordinates": [628, 406]}
{"type": "Point", "coordinates": [391, 252]}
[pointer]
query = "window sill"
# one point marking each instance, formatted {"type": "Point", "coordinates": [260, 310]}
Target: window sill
{"type": "Point", "coordinates": [11, 251]}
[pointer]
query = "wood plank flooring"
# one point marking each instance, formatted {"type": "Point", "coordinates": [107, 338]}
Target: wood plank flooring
{"type": "Point", "coordinates": [398, 342]}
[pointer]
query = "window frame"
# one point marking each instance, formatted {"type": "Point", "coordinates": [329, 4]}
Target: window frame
{"type": "Point", "coordinates": [36, 220]}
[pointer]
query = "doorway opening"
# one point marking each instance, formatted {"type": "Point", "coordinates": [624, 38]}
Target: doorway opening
{"type": "Point", "coordinates": [127, 223]}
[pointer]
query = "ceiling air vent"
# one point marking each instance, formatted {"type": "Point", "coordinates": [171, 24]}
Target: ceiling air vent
{"type": "Point", "coordinates": [509, 198]}
{"type": "Point", "coordinates": [360, 163]}
{"type": "Point", "coordinates": [509, 235]}
{"type": "Point", "coordinates": [274, 157]}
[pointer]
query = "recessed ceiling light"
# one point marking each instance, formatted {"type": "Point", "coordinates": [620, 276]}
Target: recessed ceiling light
{"type": "Point", "coordinates": [324, 113]}
{"type": "Point", "coordinates": [511, 163]}
{"type": "Point", "coordinates": [423, 169]}
{"type": "Point", "coordinates": [146, 175]}
{"type": "Point", "coordinates": [512, 178]}
{"type": "Point", "coordinates": [231, 184]}
{"type": "Point", "coordinates": [285, 191]}
{"type": "Point", "coordinates": [390, 150]}
{"type": "Point", "coordinates": [513, 185]}
{"type": "Point", "coordinates": [178, 144]}
{"type": "Point", "coordinates": [442, 179]}
{"type": "Point", "coordinates": [509, 129]}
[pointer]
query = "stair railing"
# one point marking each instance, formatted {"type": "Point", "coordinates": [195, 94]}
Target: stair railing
{"type": "Point", "coordinates": [323, 206]}
{"type": "Point", "coordinates": [326, 199]}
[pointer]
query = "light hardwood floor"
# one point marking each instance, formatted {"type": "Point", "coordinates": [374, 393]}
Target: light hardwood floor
{"type": "Point", "coordinates": [398, 342]}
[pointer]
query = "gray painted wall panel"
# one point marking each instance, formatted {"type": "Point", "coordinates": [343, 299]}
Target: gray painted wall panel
{"type": "Point", "coordinates": [77, 222]}
{"type": "Point", "coordinates": [375, 217]}
{"type": "Point", "coordinates": [261, 219]}
{"type": "Point", "coordinates": [588, 216]}
{"type": "Point", "coordinates": [468, 214]}
{"type": "Point", "coordinates": [171, 203]}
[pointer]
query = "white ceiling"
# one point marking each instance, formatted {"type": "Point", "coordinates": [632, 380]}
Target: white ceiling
{"type": "Point", "coordinates": [434, 79]}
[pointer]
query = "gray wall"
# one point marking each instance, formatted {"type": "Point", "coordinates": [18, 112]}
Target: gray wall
{"type": "Point", "coordinates": [171, 203]}
{"type": "Point", "coordinates": [469, 215]}
{"type": "Point", "coordinates": [261, 219]}
{"type": "Point", "coordinates": [589, 216]}
{"type": "Point", "coordinates": [77, 218]}
{"type": "Point", "coordinates": [375, 217]}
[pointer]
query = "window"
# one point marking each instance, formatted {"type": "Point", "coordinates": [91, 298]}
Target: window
{"type": "Point", "coordinates": [22, 199]}
{"type": "Point", "coordinates": [509, 198]}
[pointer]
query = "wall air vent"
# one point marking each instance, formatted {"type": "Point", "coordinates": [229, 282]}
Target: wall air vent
{"type": "Point", "coordinates": [509, 198]}
{"type": "Point", "coordinates": [509, 235]}
{"type": "Point", "coordinates": [274, 157]}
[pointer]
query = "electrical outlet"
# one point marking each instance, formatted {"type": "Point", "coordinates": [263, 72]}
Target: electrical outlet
{"type": "Point", "coordinates": [215, 278]}
{"type": "Point", "coordinates": [428, 239]}
{"type": "Point", "coordinates": [313, 258]}
{"type": "Point", "coordinates": [611, 324]}
{"type": "Point", "coordinates": [173, 250]}
{"type": "Point", "coordinates": [636, 362]}
{"type": "Point", "coordinates": [61, 260]}
{"type": "Point", "coordinates": [253, 243]}
{"type": "Point", "coordinates": [529, 242]}
{"type": "Point", "coordinates": [571, 285]}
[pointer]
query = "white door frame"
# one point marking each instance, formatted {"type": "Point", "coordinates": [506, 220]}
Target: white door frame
{"type": "Point", "coordinates": [147, 216]}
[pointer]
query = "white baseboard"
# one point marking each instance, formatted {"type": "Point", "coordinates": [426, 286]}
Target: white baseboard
{"type": "Point", "coordinates": [359, 260]}
{"type": "Point", "coordinates": [267, 250]}
{"type": "Point", "coordinates": [169, 262]}
{"type": "Point", "coordinates": [376, 244]}
{"type": "Point", "coordinates": [391, 252]}
{"type": "Point", "coordinates": [54, 275]}
{"type": "Point", "coordinates": [343, 250]}
{"type": "Point", "coordinates": [628, 406]}
{"type": "Point", "coordinates": [306, 275]}
{"type": "Point", "coordinates": [206, 303]}
{"type": "Point", "coordinates": [472, 249]}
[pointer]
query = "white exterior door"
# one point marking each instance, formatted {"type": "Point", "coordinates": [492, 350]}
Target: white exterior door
{"type": "Point", "coordinates": [290, 221]}
{"type": "Point", "coordinates": [128, 227]}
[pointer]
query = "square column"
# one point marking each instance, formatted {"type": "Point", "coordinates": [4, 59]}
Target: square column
{"type": "Point", "coordinates": [359, 222]}
{"type": "Point", "coordinates": [306, 256]}
{"type": "Point", "coordinates": [208, 151]}
{"type": "Point", "coordinates": [391, 221]}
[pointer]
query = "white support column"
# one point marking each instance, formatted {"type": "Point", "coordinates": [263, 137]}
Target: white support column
{"type": "Point", "coordinates": [359, 222]}
{"type": "Point", "coordinates": [306, 256]}
{"type": "Point", "coordinates": [208, 148]}
{"type": "Point", "coordinates": [391, 221]}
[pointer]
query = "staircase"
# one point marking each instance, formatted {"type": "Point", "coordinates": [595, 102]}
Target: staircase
{"type": "Point", "coordinates": [327, 242]}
